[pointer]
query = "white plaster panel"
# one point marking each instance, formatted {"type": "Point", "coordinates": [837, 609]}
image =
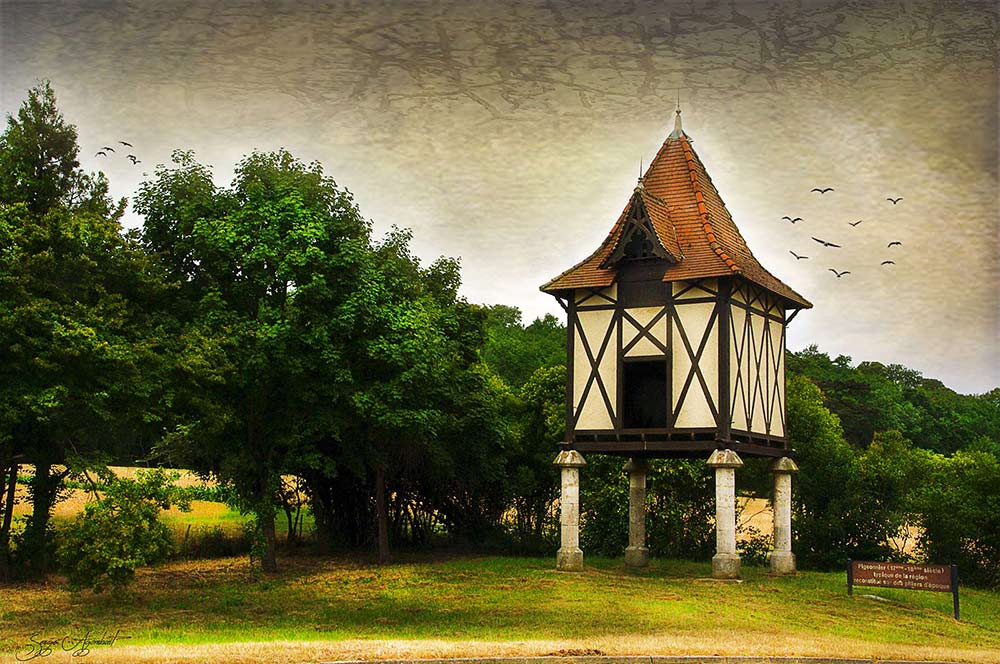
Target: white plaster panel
{"type": "Point", "coordinates": [737, 376]}
{"type": "Point", "coordinates": [778, 380]}
{"type": "Point", "coordinates": [695, 411]}
{"type": "Point", "coordinates": [585, 298]}
{"type": "Point", "coordinates": [594, 413]}
{"type": "Point", "coordinates": [698, 291]}
{"type": "Point", "coordinates": [644, 346]}
{"type": "Point", "coordinates": [759, 374]}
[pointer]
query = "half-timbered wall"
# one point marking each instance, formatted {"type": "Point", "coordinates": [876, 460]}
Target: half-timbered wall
{"type": "Point", "coordinates": [691, 332]}
{"type": "Point", "coordinates": [595, 363]}
{"type": "Point", "coordinates": [757, 362]}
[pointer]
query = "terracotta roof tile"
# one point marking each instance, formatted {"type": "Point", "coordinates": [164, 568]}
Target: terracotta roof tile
{"type": "Point", "coordinates": [692, 223]}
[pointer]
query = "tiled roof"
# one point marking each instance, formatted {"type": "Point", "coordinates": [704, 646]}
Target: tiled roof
{"type": "Point", "coordinates": [691, 222]}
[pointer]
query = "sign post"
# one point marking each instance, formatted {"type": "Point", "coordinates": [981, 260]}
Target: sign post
{"type": "Point", "coordinates": [937, 578]}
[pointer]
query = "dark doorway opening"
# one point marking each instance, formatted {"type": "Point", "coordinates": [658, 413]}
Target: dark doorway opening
{"type": "Point", "coordinates": [645, 394]}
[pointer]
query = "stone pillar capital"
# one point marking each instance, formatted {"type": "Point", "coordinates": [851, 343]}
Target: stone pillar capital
{"type": "Point", "coordinates": [784, 465]}
{"type": "Point", "coordinates": [569, 459]}
{"type": "Point", "coordinates": [636, 465]}
{"type": "Point", "coordinates": [725, 459]}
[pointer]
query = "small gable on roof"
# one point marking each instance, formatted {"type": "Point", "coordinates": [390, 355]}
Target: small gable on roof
{"type": "Point", "coordinates": [690, 225]}
{"type": "Point", "coordinates": [639, 237]}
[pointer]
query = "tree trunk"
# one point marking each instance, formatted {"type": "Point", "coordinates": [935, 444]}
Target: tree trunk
{"type": "Point", "coordinates": [36, 536]}
{"type": "Point", "coordinates": [10, 480]}
{"type": "Point", "coordinates": [268, 560]}
{"type": "Point", "coordinates": [290, 535]}
{"type": "Point", "coordinates": [382, 515]}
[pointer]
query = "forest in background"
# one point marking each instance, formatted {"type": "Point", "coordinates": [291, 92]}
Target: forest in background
{"type": "Point", "coordinates": [261, 330]}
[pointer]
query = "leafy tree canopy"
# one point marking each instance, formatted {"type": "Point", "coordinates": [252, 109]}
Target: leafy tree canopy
{"type": "Point", "coordinates": [269, 273]}
{"type": "Point", "coordinates": [872, 397]}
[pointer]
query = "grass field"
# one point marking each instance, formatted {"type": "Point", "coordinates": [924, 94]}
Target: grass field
{"type": "Point", "coordinates": [322, 608]}
{"type": "Point", "coordinates": [205, 517]}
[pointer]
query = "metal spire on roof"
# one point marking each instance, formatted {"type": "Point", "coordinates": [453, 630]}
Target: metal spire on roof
{"type": "Point", "coordinates": [639, 185]}
{"type": "Point", "coordinates": [677, 132]}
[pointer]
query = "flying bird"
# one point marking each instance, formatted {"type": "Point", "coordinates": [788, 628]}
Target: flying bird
{"type": "Point", "coordinates": [826, 244]}
{"type": "Point", "coordinates": [125, 144]}
{"type": "Point", "coordinates": [134, 161]}
{"type": "Point", "coordinates": [823, 190]}
{"type": "Point", "coordinates": [839, 274]}
{"type": "Point", "coordinates": [108, 148]}
{"type": "Point", "coordinates": [792, 220]}
{"type": "Point", "coordinates": [797, 257]}
{"type": "Point", "coordinates": [897, 242]}
{"type": "Point", "coordinates": [888, 262]}
{"type": "Point", "coordinates": [894, 200]}
{"type": "Point", "coordinates": [102, 153]}
{"type": "Point", "coordinates": [855, 223]}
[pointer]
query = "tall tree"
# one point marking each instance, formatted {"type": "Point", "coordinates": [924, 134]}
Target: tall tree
{"type": "Point", "coordinates": [269, 275]}
{"type": "Point", "coordinates": [422, 411]}
{"type": "Point", "coordinates": [38, 160]}
{"type": "Point", "coordinates": [74, 342]}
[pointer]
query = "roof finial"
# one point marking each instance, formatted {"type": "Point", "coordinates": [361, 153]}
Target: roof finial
{"type": "Point", "coordinates": [639, 185]}
{"type": "Point", "coordinates": [677, 120]}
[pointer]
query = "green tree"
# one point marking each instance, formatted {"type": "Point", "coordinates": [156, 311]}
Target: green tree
{"type": "Point", "coordinates": [863, 397]}
{"type": "Point", "coordinates": [539, 409]}
{"type": "Point", "coordinates": [872, 397]}
{"type": "Point", "coordinates": [422, 412]}
{"type": "Point", "coordinates": [515, 351]}
{"type": "Point", "coordinates": [270, 274]}
{"type": "Point", "coordinates": [38, 161]}
{"type": "Point", "coordinates": [78, 347]}
{"type": "Point", "coordinates": [956, 503]}
{"type": "Point", "coordinates": [846, 504]}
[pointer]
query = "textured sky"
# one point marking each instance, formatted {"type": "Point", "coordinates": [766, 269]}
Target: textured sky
{"type": "Point", "coordinates": [510, 133]}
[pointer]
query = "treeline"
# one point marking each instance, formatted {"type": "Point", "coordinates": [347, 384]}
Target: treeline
{"type": "Point", "coordinates": [261, 330]}
{"type": "Point", "coordinates": [248, 332]}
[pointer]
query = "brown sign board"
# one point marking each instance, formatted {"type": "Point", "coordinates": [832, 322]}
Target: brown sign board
{"type": "Point", "coordinates": [902, 575]}
{"type": "Point", "coordinates": [940, 578]}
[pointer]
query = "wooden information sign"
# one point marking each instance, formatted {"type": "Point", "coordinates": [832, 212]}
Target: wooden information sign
{"type": "Point", "coordinates": [940, 578]}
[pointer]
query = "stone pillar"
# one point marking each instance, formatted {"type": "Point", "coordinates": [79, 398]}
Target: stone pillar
{"type": "Point", "coordinates": [636, 554]}
{"type": "Point", "coordinates": [569, 557]}
{"type": "Point", "coordinates": [726, 562]}
{"type": "Point", "coordinates": [782, 559]}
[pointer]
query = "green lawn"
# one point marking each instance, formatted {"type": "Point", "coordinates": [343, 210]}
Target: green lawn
{"type": "Point", "coordinates": [672, 607]}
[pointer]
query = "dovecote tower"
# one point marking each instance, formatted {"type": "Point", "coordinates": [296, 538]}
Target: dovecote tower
{"type": "Point", "coordinates": [676, 344]}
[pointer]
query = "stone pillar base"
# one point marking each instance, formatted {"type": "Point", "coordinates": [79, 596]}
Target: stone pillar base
{"type": "Point", "coordinates": [725, 566]}
{"type": "Point", "coordinates": [782, 562]}
{"type": "Point", "coordinates": [569, 560]}
{"type": "Point", "coordinates": [636, 556]}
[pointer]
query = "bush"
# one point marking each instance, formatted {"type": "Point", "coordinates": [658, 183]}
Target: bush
{"type": "Point", "coordinates": [120, 532]}
{"type": "Point", "coordinates": [754, 546]}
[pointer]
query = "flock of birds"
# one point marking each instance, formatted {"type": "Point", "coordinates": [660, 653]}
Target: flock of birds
{"type": "Point", "coordinates": [826, 244]}
{"type": "Point", "coordinates": [103, 152]}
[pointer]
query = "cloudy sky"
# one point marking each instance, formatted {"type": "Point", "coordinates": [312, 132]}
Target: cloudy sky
{"type": "Point", "coordinates": [510, 133]}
